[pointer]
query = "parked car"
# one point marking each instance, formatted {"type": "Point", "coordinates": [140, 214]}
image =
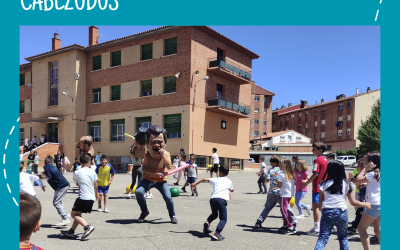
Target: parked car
{"type": "Point", "coordinates": [347, 159]}
{"type": "Point", "coordinates": [251, 160]}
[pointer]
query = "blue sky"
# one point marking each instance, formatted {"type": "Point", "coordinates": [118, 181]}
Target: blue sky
{"type": "Point", "coordinates": [296, 62]}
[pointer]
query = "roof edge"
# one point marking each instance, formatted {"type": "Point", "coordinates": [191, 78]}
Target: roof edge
{"type": "Point", "coordinates": [55, 52]}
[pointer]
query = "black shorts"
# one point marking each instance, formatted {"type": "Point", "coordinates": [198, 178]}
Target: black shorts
{"type": "Point", "coordinates": [214, 168]}
{"type": "Point", "coordinates": [84, 206]}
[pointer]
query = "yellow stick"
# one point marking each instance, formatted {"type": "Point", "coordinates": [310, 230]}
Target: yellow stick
{"type": "Point", "coordinates": [129, 136]}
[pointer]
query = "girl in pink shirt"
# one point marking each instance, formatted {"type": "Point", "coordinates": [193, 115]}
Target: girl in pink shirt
{"type": "Point", "coordinates": [301, 177]}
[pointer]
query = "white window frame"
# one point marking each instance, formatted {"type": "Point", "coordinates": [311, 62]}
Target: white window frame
{"type": "Point", "coordinates": [256, 121]}
{"type": "Point", "coordinates": [265, 111]}
{"type": "Point", "coordinates": [257, 98]}
{"type": "Point", "coordinates": [256, 110]}
{"type": "Point", "coordinates": [315, 111]}
{"type": "Point", "coordinates": [348, 117]}
{"type": "Point", "coordinates": [316, 124]}
{"type": "Point", "coordinates": [292, 115]}
{"type": "Point", "coordinates": [322, 122]}
{"type": "Point", "coordinates": [323, 110]}
{"type": "Point", "coordinates": [340, 118]}
{"type": "Point", "coordinates": [348, 131]}
{"type": "Point", "coordinates": [96, 135]}
{"type": "Point", "coordinates": [282, 139]}
{"type": "Point", "coordinates": [298, 139]}
{"type": "Point", "coordinates": [256, 133]}
{"type": "Point", "coordinates": [98, 96]}
{"type": "Point", "coordinates": [340, 106]}
{"type": "Point", "coordinates": [339, 132]}
{"type": "Point", "coordinates": [306, 125]}
{"type": "Point", "coordinates": [300, 115]}
{"type": "Point", "coordinates": [265, 123]}
{"type": "Point", "coordinates": [287, 128]}
{"type": "Point", "coordinates": [322, 134]}
{"type": "Point", "coordinates": [348, 104]}
{"type": "Point", "coordinates": [119, 136]}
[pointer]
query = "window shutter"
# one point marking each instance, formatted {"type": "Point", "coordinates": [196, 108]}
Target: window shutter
{"type": "Point", "coordinates": [97, 62]}
{"type": "Point", "coordinates": [170, 84]}
{"type": "Point", "coordinates": [143, 119]}
{"type": "Point", "coordinates": [172, 123]}
{"type": "Point", "coordinates": [115, 93]}
{"type": "Point", "coordinates": [22, 106]}
{"type": "Point", "coordinates": [147, 51]}
{"type": "Point", "coordinates": [118, 122]}
{"type": "Point", "coordinates": [170, 46]}
{"type": "Point", "coordinates": [22, 79]}
{"type": "Point", "coordinates": [116, 58]}
{"type": "Point", "coordinates": [146, 86]}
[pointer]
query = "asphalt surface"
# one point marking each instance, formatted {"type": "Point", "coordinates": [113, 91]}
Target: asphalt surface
{"type": "Point", "coordinates": [119, 229]}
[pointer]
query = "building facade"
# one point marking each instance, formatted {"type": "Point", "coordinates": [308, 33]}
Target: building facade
{"type": "Point", "coordinates": [193, 81]}
{"type": "Point", "coordinates": [335, 122]}
{"type": "Point", "coordinates": [261, 112]}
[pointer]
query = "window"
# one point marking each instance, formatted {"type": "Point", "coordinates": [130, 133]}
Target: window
{"type": "Point", "coordinates": [306, 113]}
{"type": "Point", "coordinates": [95, 131]}
{"type": "Point", "coordinates": [265, 123]}
{"type": "Point", "coordinates": [96, 95]}
{"type": "Point", "coordinates": [256, 110]}
{"type": "Point", "coordinates": [265, 133]}
{"type": "Point", "coordinates": [265, 111]}
{"type": "Point", "coordinates": [22, 106]}
{"type": "Point", "coordinates": [315, 123]}
{"type": "Point", "coordinates": [282, 139]}
{"type": "Point", "coordinates": [315, 111]}
{"type": "Point", "coordinates": [323, 110]}
{"type": "Point", "coordinates": [292, 115]}
{"type": "Point", "coordinates": [146, 88]}
{"type": "Point", "coordinates": [281, 119]}
{"type": "Point", "coordinates": [255, 133]}
{"type": "Point", "coordinates": [22, 79]}
{"type": "Point", "coordinates": [348, 104]}
{"type": "Point", "coordinates": [116, 93]}
{"type": "Point", "coordinates": [265, 99]}
{"type": "Point", "coordinates": [287, 118]}
{"type": "Point", "coordinates": [306, 125]}
{"type": "Point", "coordinates": [299, 115]}
{"type": "Point", "coordinates": [322, 122]}
{"type": "Point", "coordinates": [147, 51]}
{"type": "Point", "coordinates": [298, 126]}
{"type": "Point", "coordinates": [169, 84]}
{"type": "Point", "coordinates": [340, 118]}
{"type": "Point", "coordinates": [298, 139]}
{"type": "Point", "coordinates": [21, 136]}
{"type": "Point", "coordinates": [257, 98]}
{"type": "Point", "coordinates": [143, 122]}
{"type": "Point", "coordinates": [287, 128]}
{"type": "Point", "coordinates": [97, 62]}
{"type": "Point", "coordinates": [340, 106]}
{"type": "Point", "coordinates": [273, 117]}
{"type": "Point", "coordinates": [170, 46]}
{"type": "Point", "coordinates": [348, 131]}
{"type": "Point", "coordinates": [349, 118]}
{"type": "Point", "coordinates": [53, 84]}
{"type": "Point", "coordinates": [315, 136]}
{"type": "Point", "coordinates": [256, 121]}
{"type": "Point", "coordinates": [115, 58]}
{"type": "Point", "coordinates": [118, 130]}
{"type": "Point", "coordinates": [339, 132]}
{"type": "Point", "coordinates": [172, 123]}
{"type": "Point", "coordinates": [322, 134]}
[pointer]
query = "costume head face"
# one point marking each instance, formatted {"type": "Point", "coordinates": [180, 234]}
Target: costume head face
{"type": "Point", "coordinates": [156, 138]}
{"type": "Point", "coordinates": [84, 143]}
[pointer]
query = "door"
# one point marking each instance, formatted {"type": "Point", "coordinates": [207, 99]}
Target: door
{"type": "Point", "coordinates": [220, 54]}
{"type": "Point", "coordinates": [345, 161]}
{"type": "Point", "coordinates": [52, 132]}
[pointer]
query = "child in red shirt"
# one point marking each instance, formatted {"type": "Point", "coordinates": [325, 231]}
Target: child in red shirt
{"type": "Point", "coordinates": [29, 220]}
{"type": "Point", "coordinates": [319, 168]}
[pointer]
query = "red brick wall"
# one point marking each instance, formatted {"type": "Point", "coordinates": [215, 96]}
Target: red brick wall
{"type": "Point", "coordinates": [294, 149]}
{"type": "Point", "coordinates": [48, 149]}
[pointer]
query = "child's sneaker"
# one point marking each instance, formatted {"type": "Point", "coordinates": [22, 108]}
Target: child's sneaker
{"type": "Point", "coordinates": [290, 230]}
{"type": "Point", "coordinates": [197, 194]}
{"type": "Point", "coordinates": [206, 228]}
{"type": "Point", "coordinates": [352, 230]}
{"type": "Point", "coordinates": [105, 210]}
{"type": "Point", "coordinates": [260, 192]}
{"type": "Point", "coordinates": [88, 230]}
{"type": "Point", "coordinates": [300, 217]}
{"type": "Point", "coordinates": [257, 226]}
{"type": "Point", "coordinates": [99, 209]}
{"type": "Point", "coordinates": [68, 233]}
{"type": "Point", "coordinates": [183, 190]}
{"type": "Point", "coordinates": [143, 216]}
{"type": "Point", "coordinates": [218, 236]}
{"type": "Point", "coordinates": [128, 196]}
{"type": "Point", "coordinates": [63, 223]}
{"type": "Point", "coordinates": [313, 232]}
{"type": "Point", "coordinates": [192, 194]}
{"type": "Point", "coordinates": [308, 210]}
{"type": "Point", "coordinates": [174, 220]}
{"type": "Point", "coordinates": [176, 184]}
{"type": "Point", "coordinates": [149, 196]}
{"type": "Point", "coordinates": [283, 229]}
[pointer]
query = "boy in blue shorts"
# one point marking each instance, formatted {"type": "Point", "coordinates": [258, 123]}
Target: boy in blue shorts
{"type": "Point", "coordinates": [192, 173]}
{"type": "Point", "coordinates": [105, 173]}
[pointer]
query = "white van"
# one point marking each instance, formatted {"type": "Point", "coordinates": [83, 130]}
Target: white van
{"type": "Point", "coordinates": [251, 160]}
{"type": "Point", "coordinates": [347, 159]}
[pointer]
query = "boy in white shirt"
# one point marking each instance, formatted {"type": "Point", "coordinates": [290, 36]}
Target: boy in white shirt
{"type": "Point", "coordinates": [25, 185]}
{"type": "Point", "coordinates": [263, 176]}
{"type": "Point", "coordinates": [218, 201]}
{"type": "Point", "coordinates": [215, 163]}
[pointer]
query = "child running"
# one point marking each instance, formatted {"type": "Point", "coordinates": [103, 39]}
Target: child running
{"type": "Point", "coordinates": [30, 211]}
{"type": "Point", "coordinates": [318, 171]}
{"type": "Point", "coordinates": [25, 184]}
{"type": "Point", "coordinates": [301, 177]}
{"type": "Point", "coordinates": [105, 173]}
{"type": "Point", "coordinates": [218, 201]}
{"type": "Point", "coordinates": [332, 198]}
{"type": "Point", "coordinates": [263, 176]}
{"type": "Point", "coordinates": [286, 185]}
{"type": "Point", "coordinates": [87, 181]}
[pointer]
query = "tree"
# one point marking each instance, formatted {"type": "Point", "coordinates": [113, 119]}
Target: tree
{"type": "Point", "coordinates": [369, 132]}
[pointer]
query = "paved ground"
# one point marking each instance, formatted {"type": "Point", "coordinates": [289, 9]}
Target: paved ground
{"type": "Point", "coordinates": [119, 229]}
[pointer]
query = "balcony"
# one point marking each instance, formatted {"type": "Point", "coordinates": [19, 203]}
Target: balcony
{"type": "Point", "coordinates": [229, 70]}
{"type": "Point", "coordinates": [228, 107]}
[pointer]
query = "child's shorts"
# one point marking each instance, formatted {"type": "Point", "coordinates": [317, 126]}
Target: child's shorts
{"type": "Point", "coordinates": [214, 168]}
{"type": "Point", "coordinates": [315, 197]}
{"type": "Point", "coordinates": [191, 179]}
{"type": "Point", "coordinates": [84, 206]}
{"type": "Point", "coordinates": [103, 189]}
{"type": "Point", "coordinates": [374, 212]}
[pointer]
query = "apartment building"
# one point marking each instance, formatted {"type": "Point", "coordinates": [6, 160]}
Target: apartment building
{"type": "Point", "coordinates": [261, 112]}
{"type": "Point", "coordinates": [193, 81]}
{"type": "Point", "coordinates": [335, 122]}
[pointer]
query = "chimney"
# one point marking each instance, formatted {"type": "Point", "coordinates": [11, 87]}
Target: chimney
{"type": "Point", "coordinates": [356, 91]}
{"type": "Point", "coordinates": [55, 42]}
{"type": "Point", "coordinates": [368, 89]}
{"type": "Point", "coordinates": [93, 35]}
{"type": "Point", "coordinates": [289, 105]}
{"type": "Point", "coordinates": [303, 104]}
{"type": "Point", "coordinates": [283, 106]}
{"type": "Point", "coordinates": [322, 100]}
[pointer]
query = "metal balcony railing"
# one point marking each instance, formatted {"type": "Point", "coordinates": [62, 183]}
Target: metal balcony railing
{"type": "Point", "coordinates": [229, 104]}
{"type": "Point", "coordinates": [229, 65]}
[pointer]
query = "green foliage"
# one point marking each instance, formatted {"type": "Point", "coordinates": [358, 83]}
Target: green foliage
{"type": "Point", "coordinates": [347, 152]}
{"type": "Point", "coordinates": [369, 132]}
